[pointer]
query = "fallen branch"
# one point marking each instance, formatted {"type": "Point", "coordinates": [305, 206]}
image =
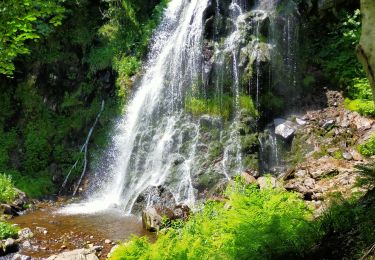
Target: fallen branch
{"type": "Point", "coordinates": [372, 248]}
{"type": "Point", "coordinates": [85, 149]}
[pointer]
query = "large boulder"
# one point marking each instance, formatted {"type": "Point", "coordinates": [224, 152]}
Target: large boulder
{"type": "Point", "coordinates": [79, 254]}
{"type": "Point", "coordinates": [284, 128]}
{"type": "Point", "coordinates": [366, 47]}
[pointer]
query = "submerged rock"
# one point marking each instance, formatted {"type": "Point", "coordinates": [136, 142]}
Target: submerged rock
{"type": "Point", "coordinates": [25, 233]}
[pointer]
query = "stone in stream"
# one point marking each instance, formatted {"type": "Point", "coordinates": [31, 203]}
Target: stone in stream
{"type": "Point", "coordinates": [41, 230]}
{"type": "Point", "coordinates": [25, 233]}
{"type": "Point", "coordinates": [78, 254]}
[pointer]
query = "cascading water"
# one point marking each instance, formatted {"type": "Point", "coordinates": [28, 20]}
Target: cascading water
{"type": "Point", "coordinates": [157, 143]}
{"type": "Point", "coordinates": [152, 129]}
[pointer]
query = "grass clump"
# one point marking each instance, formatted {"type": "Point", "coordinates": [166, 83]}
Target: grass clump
{"type": "Point", "coordinates": [7, 191]}
{"type": "Point", "coordinates": [253, 224]}
{"type": "Point", "coordinates": [7, 231]}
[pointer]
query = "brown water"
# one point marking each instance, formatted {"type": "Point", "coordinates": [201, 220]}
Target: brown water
{"type": "Point", "coordinates": [66, 232]}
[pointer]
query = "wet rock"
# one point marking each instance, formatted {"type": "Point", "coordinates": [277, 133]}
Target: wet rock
{"type": "Point", "coordinates": [284, 128]}
{"type": "Point", "coordinates": [328, 124]}
{"type": "Point", "coordinates": [266, 182]}
{"type": "Point", "coordinates": [248, 179]}
{"type": "Point", "coordinates": [6, 209]}
{"type": "Point", "coordinates": [8, 246]}
{"type": "Point", "coordinates": [25, 233]}
{"type": "Point", "coordinates": [41, 230]}
{"type": "Point", "coordinates": [79, 254]}
{"type": "Point", "coordinates": [26, 245]}
{"type": "Point", "coordinates": [159, 195]}
{"type": "Point", "coordinates": [151, 219]}
{"type": "Point", "coordinates": [21, 199]}
{"type": "Point", "coordinates": [205, 121]}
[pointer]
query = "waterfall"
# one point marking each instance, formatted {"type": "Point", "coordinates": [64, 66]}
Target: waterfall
{"type": "Point", "coordinates": [157, 143]}
{"type": "Point", "coordinates": [150, 132]}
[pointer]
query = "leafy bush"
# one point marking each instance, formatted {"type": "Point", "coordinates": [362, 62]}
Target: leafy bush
{"type": "Point", "coordinates": [364, 107]}
{"type": "Point", "coordinates": [7, 192]}
{"type": "Point", "coordinates": [360, 89]}
{"type": "Point", "coordinates": [368, 148]}
{"type": "Point", "coordinates": [7, 231]}
{"type": "Point", "coordinates": [254, 224]}
{"type": "Point", "coordinates": [24, 21]}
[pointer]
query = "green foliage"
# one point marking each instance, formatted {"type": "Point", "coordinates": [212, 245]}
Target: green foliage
{"type": "Point", "coordinates": [367, 177]}
{"type": "Point", "coordinates": [349, 226]}
{"type": "Point", "coordinates": [7, 191]}
{"type": "Point", "coordinates": [22, 22]}
{"type": "Point", "coordinates": [7, 231]}
{"type": "Point", "coordinates": [254, 225]}
{"type": "Point", "coordinates": [359, 89]}
{"type": "Point", "coordinates": [125, 39]}
{"type": "Point", "coordinates": [271, 102]}
{"type": "Point", "coordinates": [368, 148]}
{"type": "Point", "coordinates": [337, 56]}
{"type": "Point", "coordinates": [247, 103]}
{"type": "Point", "coordinates": [364, 107]}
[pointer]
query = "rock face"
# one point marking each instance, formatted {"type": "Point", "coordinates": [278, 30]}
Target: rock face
{"type": "Point", "coordinates": [366, 47]}
{"type": "Point", "coordinates": [79, 254]}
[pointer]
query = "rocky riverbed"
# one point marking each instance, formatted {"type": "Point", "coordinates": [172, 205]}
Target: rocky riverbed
{"type": "Point", "coordinates": [45, 233]}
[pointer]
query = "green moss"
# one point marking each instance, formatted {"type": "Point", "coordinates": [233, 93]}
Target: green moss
{"type": "Point", "coordinates": [215, 106]}
{"type": "Point", "coordinates": [222, 106]}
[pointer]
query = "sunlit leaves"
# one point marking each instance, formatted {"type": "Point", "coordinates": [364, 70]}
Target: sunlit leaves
{"type": "Point", "coordinates": [22, 22]}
